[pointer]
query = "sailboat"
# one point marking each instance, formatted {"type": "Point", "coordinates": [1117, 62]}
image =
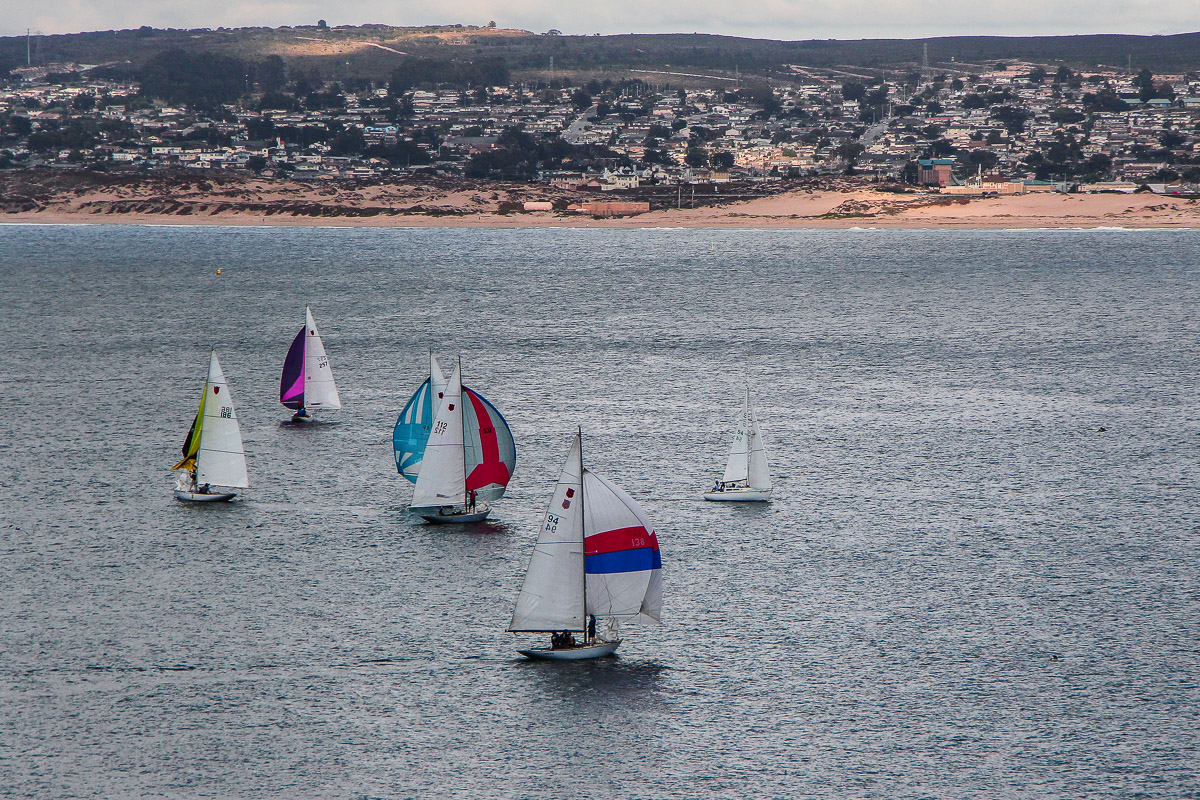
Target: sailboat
{"type": "Point", "coordinates": [596, 558]}
{"type": "Point", "coordinates": [307, 380]}
{"type": "Point", "coordinates": [746, 478]}
{"type": "Point", "coordinates": [212, 452]}
{"type": "Point", "coordinates": [491, 454]}
{"type": "Point", "coordinates": [461, 467]}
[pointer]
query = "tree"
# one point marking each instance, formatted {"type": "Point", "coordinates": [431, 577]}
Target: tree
{"type": "Point", "coordinates": [179, 76]}
{"type": "Point", "coordinates": [1011, 117]}
{"type": "Point", "coordinates": [581, 99]}
{"type": "Point", "coordinates": [20, 126]}
{"type": "Point", "coordinates": [272, 74]}
{"type": "Point", "coordinates": [84, 102]}
{"type": "Point", "coordinates": [1145, 84]}
{"type": "Point", "coordinates": [256, 163]}
{"type": "Point", "coordinates": [491, 23]}
{"type": "Point", "coordinates": [322, 24]}
{"type": "Point", "coordinates": [853, 91]}
{"type": "Point", "coordinates": [1037, 75]}
{"type": "Point", "coordinates": [696, 157]}
{"type": "Point", "coordinates": [349, 142]}
{"type": "Point", "coordinates": [722, 159]}
{"type": "Point", "coordinates": [1063, 75]}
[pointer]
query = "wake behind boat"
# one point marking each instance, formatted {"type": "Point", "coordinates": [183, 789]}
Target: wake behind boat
{"type": "Point", "coordinates": [747, 478]}
{"type": "Point", "coordinates": [596, 559]}
{"type": "Point", "coordinates": [306, 383]}
{"type": "Point", "coordinates": [212, 452]}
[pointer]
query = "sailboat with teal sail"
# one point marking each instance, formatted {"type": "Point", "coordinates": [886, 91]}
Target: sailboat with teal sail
{"type": "Point", "coordinates": [490, 452]}
{"type": "Point", "coordinates": [306, 383]}
{"type": "Point", "coordinates": [462, 468]}
{"type": "Point", "coordinates": [213, 454]}
{"type": "Point", "coordinates": [596, 560]}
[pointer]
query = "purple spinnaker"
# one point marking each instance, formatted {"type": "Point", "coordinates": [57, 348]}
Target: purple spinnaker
{"type": "Point", "coordinates": [291, 383]}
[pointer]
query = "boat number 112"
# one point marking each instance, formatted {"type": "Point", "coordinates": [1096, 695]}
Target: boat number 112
{"type": "Point", "coordinates": [439, 428]}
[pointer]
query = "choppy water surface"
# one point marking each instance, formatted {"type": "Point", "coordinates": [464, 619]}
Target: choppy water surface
{"type": "Point", "coordinates": [964, 589]}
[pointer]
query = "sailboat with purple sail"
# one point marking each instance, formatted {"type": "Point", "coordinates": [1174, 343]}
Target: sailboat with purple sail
{"type": "Point", "coordinates": [307, 380]}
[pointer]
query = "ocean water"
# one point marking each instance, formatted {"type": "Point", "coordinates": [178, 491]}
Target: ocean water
{"type": "Point", "coordinates": [979, 577]}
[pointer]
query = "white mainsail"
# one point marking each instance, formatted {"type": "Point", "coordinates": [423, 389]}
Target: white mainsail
{"type": "Point", "coordinates": [632, 593]}
{"type": "Point", "coordinates": [319, 389]}
{"type": "Point", "coordinates": [759, 475]}
{"type": "Point", "coordinates": [551, 598]}
{"type": "Point", "coordinates": [221, 459]}
{"type": "Point", "coordinates": [738, 466]}
{"type": "Point", "coordinates": [747, 456]}
{"type": "Point", "coordinates": [437, 379]}
{"type": "Point", "coordinates": [442, 480]}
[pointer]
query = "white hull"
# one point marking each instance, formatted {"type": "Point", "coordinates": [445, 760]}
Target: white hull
{"type": "Point", "coordinates": [746, 495]}
{"type": "Point", "coordinates": [457, 516]}
{"type": "Point", "coordinates": [598, 650]}
{"type": "Point", "coordinates": [205, 497]}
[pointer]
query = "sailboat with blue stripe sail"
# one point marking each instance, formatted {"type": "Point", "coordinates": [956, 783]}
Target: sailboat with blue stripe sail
{"type": "Point", "coordinates": [596, 559]}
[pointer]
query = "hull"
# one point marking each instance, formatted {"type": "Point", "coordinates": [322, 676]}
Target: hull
{"type": "Point", "coordinates": [740, 496]}
{"type": "Point", "coordinates": [302, 418]}
{"type": "Point", "coordinates": [454, 517]}
{"type": "Point", "coordinates": [598, 650]}
{"type": "Point", "coordinates": [205, 497]}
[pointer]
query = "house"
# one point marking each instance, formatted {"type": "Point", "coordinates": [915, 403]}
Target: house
{"type": "Point", "coordinates": [935, 171]}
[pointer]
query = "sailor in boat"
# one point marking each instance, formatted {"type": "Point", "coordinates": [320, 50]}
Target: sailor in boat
{"type": "Point", "coordinates": [471, 502]}
{"type": "Point", "coordinates": [591, 629]}
{"type": "Point", "coordinates": [203, 489]}
{"type": "Point", "coordinates": [301, 413]}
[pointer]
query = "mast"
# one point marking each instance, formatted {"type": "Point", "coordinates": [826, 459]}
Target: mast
{"type": "Point", "coordinates": [463, 455]}
{"type": "Point", "coordinates": [582, 530]}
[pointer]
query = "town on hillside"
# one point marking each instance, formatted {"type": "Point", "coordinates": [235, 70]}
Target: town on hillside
{"type": "Point", "coordinates": [999, 128]}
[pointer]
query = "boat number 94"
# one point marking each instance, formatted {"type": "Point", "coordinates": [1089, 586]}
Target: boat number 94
{"type": "Point", "coordinates": [439, 428]}
{"type": "Point", "coordinates": [227, 412]}
{"type": "Point", "coordinates": [552, 522]}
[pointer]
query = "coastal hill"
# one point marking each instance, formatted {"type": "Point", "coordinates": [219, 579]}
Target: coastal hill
{"type": "Point", "coordinates": [374, 51]}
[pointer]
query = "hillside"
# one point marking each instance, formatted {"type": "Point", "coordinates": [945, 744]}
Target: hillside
{"type": "Point", "coordinates": [373, 51]}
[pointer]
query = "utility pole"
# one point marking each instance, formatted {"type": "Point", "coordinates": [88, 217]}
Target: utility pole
{"type": "Point", "coordinates": [28, 58]}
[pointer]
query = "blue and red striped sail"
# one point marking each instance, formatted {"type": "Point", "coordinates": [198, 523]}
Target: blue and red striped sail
{"type": "Point", "coordinates": [291, 382]}
{"type": "Point", "coordinates": [622, 563]}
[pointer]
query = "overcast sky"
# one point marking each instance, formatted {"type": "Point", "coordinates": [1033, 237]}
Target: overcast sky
{"type": "Point", "coordinates": [774, 19]}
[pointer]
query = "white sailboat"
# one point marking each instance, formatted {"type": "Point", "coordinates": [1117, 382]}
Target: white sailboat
{"type": "Point", "coordinates": [306, 383]}
{"type": "Point", "coordinates": [746, 478]}
{"type": "Point", "coordinates": [596, 559]}
{"type": "Point", "coordinates": [441, 493]}
{"type": "Point", "coordinates": [212, 452]}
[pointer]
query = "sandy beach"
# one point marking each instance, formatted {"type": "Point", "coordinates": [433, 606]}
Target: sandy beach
{"type": "Point", "coordinates": [442, 203]}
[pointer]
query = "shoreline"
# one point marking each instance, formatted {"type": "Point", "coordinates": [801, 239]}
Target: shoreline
{"type": "Point", "coordinates": [292, 205]}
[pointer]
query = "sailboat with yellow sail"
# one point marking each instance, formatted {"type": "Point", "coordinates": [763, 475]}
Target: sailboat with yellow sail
{"type": "Point", "coordinates": [213, 455]}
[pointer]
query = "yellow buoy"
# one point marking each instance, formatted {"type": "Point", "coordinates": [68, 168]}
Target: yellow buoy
{"type": "Point", "coordinates": [218, 271]}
